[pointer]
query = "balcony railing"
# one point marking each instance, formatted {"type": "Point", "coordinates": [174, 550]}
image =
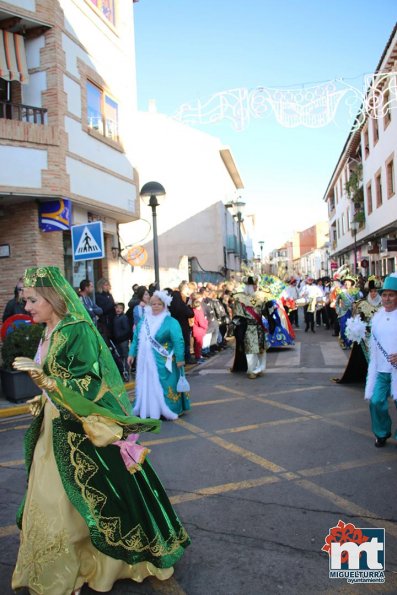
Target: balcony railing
{"type": "Point", "coordinates": [22, 113]}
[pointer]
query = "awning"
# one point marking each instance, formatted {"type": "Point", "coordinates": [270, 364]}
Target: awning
{"type": "Point", "coordinates": [13, 65]}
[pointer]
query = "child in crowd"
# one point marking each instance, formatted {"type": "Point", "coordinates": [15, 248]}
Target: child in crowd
{"type": "Point", "coordinates": [200, 326]}
{"type": "Point", "coordinates": [122, 333]}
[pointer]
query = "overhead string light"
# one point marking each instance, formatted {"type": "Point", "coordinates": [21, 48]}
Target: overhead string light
{"type": "Point", "coordinates": [313, 106]}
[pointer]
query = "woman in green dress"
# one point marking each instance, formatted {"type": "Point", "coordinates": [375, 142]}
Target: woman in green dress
{"type": "Point", "coordinates": [94, 509]}
{"type": "Point", "coordinates": [159, 347]}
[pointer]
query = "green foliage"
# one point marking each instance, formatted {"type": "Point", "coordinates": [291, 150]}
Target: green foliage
{"type": "Point", "coordinates": [23, 341]}
{"type": "Point", "coordinates": [359, 216]}
{"type": "Point", "coordinates": [353, 186]}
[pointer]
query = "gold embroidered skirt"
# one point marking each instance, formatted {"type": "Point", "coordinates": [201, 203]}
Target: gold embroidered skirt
{"type": "Point", "coordinates": [56, 554]}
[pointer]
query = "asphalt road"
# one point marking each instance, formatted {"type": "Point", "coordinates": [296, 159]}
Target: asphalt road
{"type": "Point", "coordinates": [259, 471]}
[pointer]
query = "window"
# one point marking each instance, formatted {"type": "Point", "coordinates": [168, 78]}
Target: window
{"type": "Point", "coordinates": [347, 220]}
{"type": "Point", "coordinates": [338, 229]}
{"type": "Point", "coordinates": [375, 129]}
{"type": "Point", "coordinates": [343, 224]}
{"type": "Point", "coordinates": [386, 108]}
{"type": "Point", "coordinates": [102, 112]}
{"type": "Point", "coordinates": [366, 142]}
{"type": "Point", "coordinates": [378, 189]}
{"type": "Point", "coordinates": [369, 198]}
{"type": "Point", "coordinates": [106, 7]}
{"type": "Point", "coordinates": [390, 187]}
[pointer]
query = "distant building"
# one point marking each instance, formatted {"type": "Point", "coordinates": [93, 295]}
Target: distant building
{"type": "Point", "coordinates": [361, 194]}
{"type": "Point", "coordinates": [198, 237]}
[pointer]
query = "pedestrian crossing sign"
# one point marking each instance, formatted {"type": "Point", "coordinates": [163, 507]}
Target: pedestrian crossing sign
{"type": "Point", "coordinates": [87, 241]}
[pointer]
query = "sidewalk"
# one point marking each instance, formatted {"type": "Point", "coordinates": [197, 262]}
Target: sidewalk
{"type": "Point", "coordinates": [10, 409]}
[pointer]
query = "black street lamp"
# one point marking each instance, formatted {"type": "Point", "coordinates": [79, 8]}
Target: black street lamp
{"type": "Point", "coordinates": [149, 193]}
{"type": "Point", "coordinates": [261, 242]}
{"type": "Point", "coordinates": [354, 227]}
{"type": "Point", "coordinates": [237, 206]}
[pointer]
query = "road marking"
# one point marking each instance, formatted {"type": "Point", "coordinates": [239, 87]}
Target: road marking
{"type": "Point", "coordinates": [216, 401]}
{"type": "Point", "coordinates": [222, 489]}
{"type": "Point", "coordinates": [345, 466]}
{"type": "Point", "coordinates": [9, 530]}
{"type": "Point", "coordinates": [285, 407]}
{"type": "Point", "coordinates": [15, 463]}
{"type": "Point", "coordinates": [24, 427]}
{"type": "Point", "coordinates": [292, 357]}
{"type": "Point", "coordinates": [166, 440]}
{"type": "Point", "coordinates": [168, 587]}
{"type": "Point", "coordinates": [226, 389]}
{"type": "Point", "coordinates": [247, 454]}
{"type": "Point", "coordinates": [333, 354]}
{"type": "Point", "coordinates": [351, 508]}
{"type": "Point", "coordinates": [297, 371]}
{"type": "Point", "coordinates": [347, 426]}
{"type": "Point", "coordinates": [277, 422]}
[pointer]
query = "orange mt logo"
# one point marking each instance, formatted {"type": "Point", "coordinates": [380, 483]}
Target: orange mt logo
{"type": "Point", "coordinates": [356, 554]}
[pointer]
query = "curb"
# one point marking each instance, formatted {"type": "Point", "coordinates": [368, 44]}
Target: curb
{"type": "Point", "coordinates": [22, 409]}
{"type": "Point", "coordinates": [16, 410]}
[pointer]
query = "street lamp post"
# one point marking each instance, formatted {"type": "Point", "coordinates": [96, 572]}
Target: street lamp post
{"type": "Point", "coordinates": [354, 228]}
{"type": "Point", "coordinates": [150, 193]}
{"type": "Point", "coordinates": [261, 242]}
{"type": "Point", "coordinates": [237, 206]}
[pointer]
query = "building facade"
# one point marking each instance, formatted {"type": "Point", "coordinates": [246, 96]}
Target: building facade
{"type": "Point", "coordinates": [67, 106]}
{"type": "Point", "coordinates": [361, 195]}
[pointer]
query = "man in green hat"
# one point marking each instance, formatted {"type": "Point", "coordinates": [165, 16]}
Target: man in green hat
{"type": "Point", "coordinates": [382, 369]}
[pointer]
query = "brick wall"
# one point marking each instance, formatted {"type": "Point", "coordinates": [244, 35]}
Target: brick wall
{"type": "Point", "coordinates": [28, 246]}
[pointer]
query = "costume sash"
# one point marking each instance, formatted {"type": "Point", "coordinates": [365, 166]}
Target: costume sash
{"type": "Point", "coordinates": [254, 314]}
{"type": "Point", "coordinates": [159, 348]}
{"type": "Point", "coordinates": [383, 351]}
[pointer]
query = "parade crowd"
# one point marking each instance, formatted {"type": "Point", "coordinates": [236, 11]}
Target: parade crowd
{"type": "Point", "coordinates": [82, 450]}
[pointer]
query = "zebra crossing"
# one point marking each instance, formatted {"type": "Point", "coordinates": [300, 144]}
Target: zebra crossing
{"type": "Point", "coordinates": [310, 358]}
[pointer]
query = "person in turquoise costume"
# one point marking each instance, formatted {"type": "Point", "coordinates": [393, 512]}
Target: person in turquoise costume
{"type": "Point", "coordinates": [94, 509]}
{"type": "Point", "coordinates": [159, 347]}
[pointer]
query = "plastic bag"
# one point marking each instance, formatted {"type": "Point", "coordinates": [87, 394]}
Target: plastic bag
{"type": "Point", "coordinates": [183, 386]}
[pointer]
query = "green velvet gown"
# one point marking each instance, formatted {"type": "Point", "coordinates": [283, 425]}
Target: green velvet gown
{"type": "Point", "coordinates": [85, 518]}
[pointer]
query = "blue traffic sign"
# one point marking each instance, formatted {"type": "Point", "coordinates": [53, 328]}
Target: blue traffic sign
{"type": "Point", "coordinates": [87, 241]}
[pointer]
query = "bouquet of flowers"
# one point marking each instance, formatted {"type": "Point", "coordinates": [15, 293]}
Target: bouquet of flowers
{"type": "Point", "coordinates": [355, 329]}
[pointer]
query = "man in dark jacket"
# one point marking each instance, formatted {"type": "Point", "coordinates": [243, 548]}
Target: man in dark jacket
{"type": "Point", "coordinates": [86, 292]}
{"type": "Point", "coordinates": [182, 312]}
{"type": "Point", "coordinates": [105, 301]}
{"type": "Point", "coordinates": [16, 305]}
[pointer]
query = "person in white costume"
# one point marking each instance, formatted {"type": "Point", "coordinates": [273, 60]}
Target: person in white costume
{"type": "Point", "coordinates": [382, 369]}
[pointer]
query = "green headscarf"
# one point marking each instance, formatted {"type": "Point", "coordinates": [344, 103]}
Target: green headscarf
{"type": "Point", "coordinates": [115, 405]}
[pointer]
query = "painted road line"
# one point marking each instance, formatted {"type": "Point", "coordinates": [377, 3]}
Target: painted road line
{"type": "Point", "coordinates": [350, 507]}
{"type": "Point", "coordinates": [168, 587]}
{"type": "Point", "coordinates": [223, 489]}
{"type": "Point", "coordinates": [233, 391]}
{"type": "Point", "coordinates": [265, 424]}
{"type": "Point", "coordinates": [292, 357]}
{"type": "Point", "coordinates": [24, 427]}
{"type": "Point", "coordinates": [333, 354]}
{"type": "Point", "coordinates": [347, 426]}
{"type": "Point", "coordinates": [347, 465]}
{"type": "Point", "coordinates": [247, 454]}
{"type": "Point", "coordinates": [16, 463]}
{"type": "Point", "coordinates": [9, 530]}
{"type": "Point", "coordinates": [166, 440]}
{"type": "Point", "coordinates": [300, 370]}
{"type": "Point", "coordinates": [285, 407]}
{"type": "Point", "coordinates": [217, 401]}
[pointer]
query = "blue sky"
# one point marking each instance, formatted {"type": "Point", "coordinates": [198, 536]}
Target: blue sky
{"type": "Point", "coordinates": [190, 50]}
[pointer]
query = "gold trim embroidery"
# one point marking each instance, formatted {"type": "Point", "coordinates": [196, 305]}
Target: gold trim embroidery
{"type": "Point", "coordinates": [110, 527]}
